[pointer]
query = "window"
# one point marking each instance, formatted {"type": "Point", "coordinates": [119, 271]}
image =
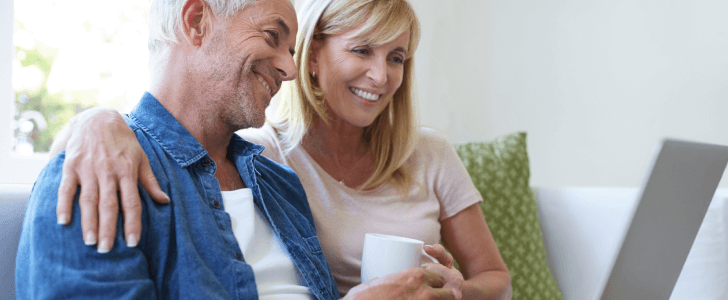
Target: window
{"type": "Point", "coordinates": [65, 56]}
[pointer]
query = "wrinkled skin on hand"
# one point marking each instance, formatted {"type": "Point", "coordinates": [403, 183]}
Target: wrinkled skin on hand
{"type": "Point", "coordinates": [107, 164]}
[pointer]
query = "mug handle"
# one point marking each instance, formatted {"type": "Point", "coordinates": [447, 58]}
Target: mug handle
{"type": "Point", "coordinates": [430, 257]}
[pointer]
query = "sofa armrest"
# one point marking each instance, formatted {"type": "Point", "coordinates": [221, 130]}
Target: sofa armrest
{"type": "Point", "coordinates": [13, 200]}
{"type": "Point", "coordinates": [582, 228]}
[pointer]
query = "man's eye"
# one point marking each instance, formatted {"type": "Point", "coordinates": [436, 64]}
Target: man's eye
{"type": "Point", "coordinates": [363, 51]}
{"type": "Point", "coordinates": [274, 35]}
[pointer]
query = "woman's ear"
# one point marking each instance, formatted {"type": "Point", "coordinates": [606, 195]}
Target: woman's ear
{"type": "Point", "coordinates": [196, 17]}
{"type": "Point", "coordinates": [313, 57]}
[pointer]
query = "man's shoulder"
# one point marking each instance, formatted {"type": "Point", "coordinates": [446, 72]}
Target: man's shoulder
{"type": "Point", "coordinates": [277, 173]}
{"type": "Point", "coordinates": [267, 137]}
{"type": "Point", "coordinates": [153, 145]}
{"type": "Point", "coordinates": [281, 180]}
{"type": "Point", "coordinates": [46, 185]}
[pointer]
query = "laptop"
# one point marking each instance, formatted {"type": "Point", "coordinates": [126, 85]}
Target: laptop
{"type": "Point", "coordinates": [674, 199]}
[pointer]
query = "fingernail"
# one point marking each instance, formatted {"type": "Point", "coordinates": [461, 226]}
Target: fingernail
{"type": "Point", "coordinates": [131, 240]}
{"type": "Point", "coordinates": [104, 246]}
{"type": "Point", "coordinates": [62, 219]}
{"type": "Point", "coordinates": [167, 196]}
{"type": "Point", "coordinates": [90, 238]}
{"type": "Point", "coordinates": [428, 247]}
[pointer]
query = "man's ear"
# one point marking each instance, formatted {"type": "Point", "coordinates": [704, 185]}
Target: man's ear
{"type": "Point", "coordinates": [196, 21]}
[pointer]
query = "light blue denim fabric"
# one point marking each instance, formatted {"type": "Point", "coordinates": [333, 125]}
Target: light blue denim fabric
{"type": "Point", "coordinates": [187, 248]}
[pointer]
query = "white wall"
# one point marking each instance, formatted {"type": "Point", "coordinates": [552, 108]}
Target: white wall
{"type": "Point", "coordinates": [594, 83]}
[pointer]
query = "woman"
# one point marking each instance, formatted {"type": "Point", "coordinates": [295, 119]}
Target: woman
{"type": "Point", "coordinates": [347, 127]}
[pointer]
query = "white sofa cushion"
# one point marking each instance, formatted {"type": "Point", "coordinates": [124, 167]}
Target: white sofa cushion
{"type": "Point", "coordinates": [583, 226]}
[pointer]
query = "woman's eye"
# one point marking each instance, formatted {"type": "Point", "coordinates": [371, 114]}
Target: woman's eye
{"type": "Point", "coordinates": [397, 59]}
{"type": "Point", "coordinates": [363, 51]}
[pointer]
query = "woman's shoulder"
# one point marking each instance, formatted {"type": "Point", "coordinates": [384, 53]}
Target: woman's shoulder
{"type": "Point", "coordinates": [267, 137]}
{"type": "Point", "coordinates": [430, 139]}
{"type": "Point", "coordinates": [433, 150]}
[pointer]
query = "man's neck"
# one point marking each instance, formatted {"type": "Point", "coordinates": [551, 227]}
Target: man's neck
{"type": "Point", "coordinates": [188, 99]}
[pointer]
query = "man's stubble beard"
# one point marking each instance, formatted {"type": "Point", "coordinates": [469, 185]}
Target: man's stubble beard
{"type": "Point", "coordinates": [238, 108]}
{"type": "Point", "coordinates": [245, 112]}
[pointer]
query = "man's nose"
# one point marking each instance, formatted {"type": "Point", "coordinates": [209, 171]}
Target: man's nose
{"type": "Point", "coordinates": [285, 66]}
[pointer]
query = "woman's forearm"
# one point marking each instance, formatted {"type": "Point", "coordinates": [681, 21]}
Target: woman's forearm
{"type": "Point", "coordinates": [488, 285]}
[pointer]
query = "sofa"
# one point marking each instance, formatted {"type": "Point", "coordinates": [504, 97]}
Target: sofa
{"type": "Point", "coordinates": [581, 228]}
{"type": "Point", "coordinates": [13, 200]}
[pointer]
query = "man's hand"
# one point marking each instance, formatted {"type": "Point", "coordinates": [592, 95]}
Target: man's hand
{"type": "Point", "coordinates": [434, 281]}
{"type": "Point", "coordinates": [105, 158]}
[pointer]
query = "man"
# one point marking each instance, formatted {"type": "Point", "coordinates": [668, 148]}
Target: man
{"type": "Point", "coordinates": [215, 66]}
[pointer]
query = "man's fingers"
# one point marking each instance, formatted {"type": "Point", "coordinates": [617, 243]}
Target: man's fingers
{"type": "Point", "coordinates": [149, 182]}
{"type": "Point", "coordinates": [66, 194]}
{"type": "Point", "coordinates": [88, 201]}
{"type": "Point", "coordinates": [438, 251]}
{"type": "Point", "coordinates": [108, 214]}
{"type": "Point", "coordinates": [132, 210]}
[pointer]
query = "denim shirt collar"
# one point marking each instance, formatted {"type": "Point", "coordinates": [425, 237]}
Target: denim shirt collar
{"type": "Point", "coordinates": [177, 141]}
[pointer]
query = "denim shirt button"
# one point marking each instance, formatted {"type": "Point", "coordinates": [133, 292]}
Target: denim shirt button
{"type": "Point", "coordinates": [206, 163]}
{"type": "Point", "coordinates": [239, 256]}
{"type": "Point", "coordinates": [216, 203]}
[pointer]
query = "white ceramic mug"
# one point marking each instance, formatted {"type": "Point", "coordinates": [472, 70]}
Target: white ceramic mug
{"type": "Point", "coordinates": [386, 254]}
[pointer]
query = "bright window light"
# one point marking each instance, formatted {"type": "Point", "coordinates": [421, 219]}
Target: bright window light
{"type": "Point", "coordinates": [71, 55]}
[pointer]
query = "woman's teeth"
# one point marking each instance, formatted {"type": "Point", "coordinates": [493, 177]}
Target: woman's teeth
{"type": "Point", "coordinates": [364, 95]}
{"type": "Point", "coordinates": [265, 84]}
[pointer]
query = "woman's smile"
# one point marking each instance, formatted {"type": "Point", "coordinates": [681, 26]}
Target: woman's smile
{"type": "Point", "coordinates": [371, 97]}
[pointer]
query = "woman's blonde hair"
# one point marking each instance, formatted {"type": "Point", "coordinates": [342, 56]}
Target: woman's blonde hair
{"type": "Point", "coordinates": [392, 135]}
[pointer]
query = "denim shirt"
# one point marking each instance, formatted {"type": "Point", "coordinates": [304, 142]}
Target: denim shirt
{"type": "Point", "coordinates": [187, 248]}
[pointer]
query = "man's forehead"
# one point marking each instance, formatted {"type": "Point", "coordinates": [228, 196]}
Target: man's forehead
{"type": "Point", "coordinates": [279, 12]}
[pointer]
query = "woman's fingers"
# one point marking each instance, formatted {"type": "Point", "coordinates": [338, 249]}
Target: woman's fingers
{"type": "Point", "coordinates": [108, 210]}
{"type": "Point", "coordinates": [438, 251]}
{"type": "Point", "coordinates": [66, 195]}
{"type": "Point", "coordinates": [88, 201]}
{"type": "Point", "coordinates": [104, 157]}
{"type": "Point", "coordinates": [149, 182]}
{"type": "Point", "coordinates": [453, 278]}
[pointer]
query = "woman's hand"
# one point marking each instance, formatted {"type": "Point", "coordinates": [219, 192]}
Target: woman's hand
{"type": "Point", "coordinates": [104, 157]}
{"type": "Point", "coordinates": [468, 238]}
{"type": "Point", "coordinates": [454, 279]}
{"type": "Point", "coordinates": [434, 281]}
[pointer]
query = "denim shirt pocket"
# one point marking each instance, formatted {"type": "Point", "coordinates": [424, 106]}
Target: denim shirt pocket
{"type": "Point", "coordinates": [313, 244]}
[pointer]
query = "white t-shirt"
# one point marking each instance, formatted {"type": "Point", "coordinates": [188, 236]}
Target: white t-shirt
{"type": "Point", "coordinates": [343, 215]}
{"type": "Point", "coordinates": [275, 275]}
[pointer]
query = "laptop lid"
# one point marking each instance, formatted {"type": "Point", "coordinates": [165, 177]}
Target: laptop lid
{"type": "Point", "coordinates": [673, 201]}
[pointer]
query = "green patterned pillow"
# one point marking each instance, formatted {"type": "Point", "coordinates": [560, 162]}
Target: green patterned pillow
{"type": "Point", "coordinates": [501, 173]}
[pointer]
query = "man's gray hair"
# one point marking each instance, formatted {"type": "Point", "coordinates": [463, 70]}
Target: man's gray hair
{"type": "Point", "coordinates": [164, 19]}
